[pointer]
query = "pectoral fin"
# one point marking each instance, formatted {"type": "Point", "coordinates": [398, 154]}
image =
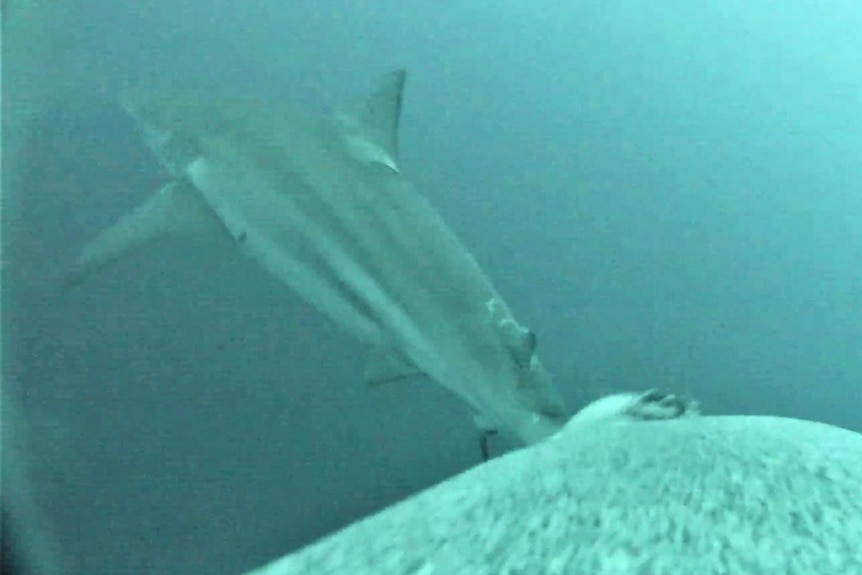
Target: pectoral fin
{"type": "Point", "coordinates": [176, 208]}
{"type": "Point", "coordinates": [386, 365]}
{"type": "Point", "coordinates": [520, 341]}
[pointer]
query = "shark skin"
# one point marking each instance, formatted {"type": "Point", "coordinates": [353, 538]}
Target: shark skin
{"type": "Point", "coordinates": [633, 484]}
{"type": "Point", "coordinates": [321, 203]}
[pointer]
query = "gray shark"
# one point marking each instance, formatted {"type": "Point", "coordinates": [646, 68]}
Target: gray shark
{"type": "Point", "coordinates": [322, 204]}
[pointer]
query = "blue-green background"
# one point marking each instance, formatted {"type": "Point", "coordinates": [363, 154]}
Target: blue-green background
{"type": "Point", "coordinates": [668, 193]}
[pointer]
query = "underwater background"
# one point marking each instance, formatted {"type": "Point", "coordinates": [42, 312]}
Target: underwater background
{"type": "Point", "coordinates": [670, 196]}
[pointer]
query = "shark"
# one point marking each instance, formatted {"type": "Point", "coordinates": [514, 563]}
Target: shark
{"type": "Point", "coordinates": [321, 203]}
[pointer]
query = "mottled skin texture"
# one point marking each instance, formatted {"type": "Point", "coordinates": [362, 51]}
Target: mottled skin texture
{"type": "Point", "coordinates": [693, 495]}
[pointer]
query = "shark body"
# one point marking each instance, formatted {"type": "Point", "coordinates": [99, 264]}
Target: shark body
{"type": "Point", "coordinates": [320, 202]}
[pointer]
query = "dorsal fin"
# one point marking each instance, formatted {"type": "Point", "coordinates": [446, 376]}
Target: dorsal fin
{"type": "Point", "coordinates": [382, 111]}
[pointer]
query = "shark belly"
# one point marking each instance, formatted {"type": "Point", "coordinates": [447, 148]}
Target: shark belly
{"type": "Point", "coordinates": [292, 241]}
{"type": "Point", "coordinates": [369, 275]}
{"type": "Point", "coordinates": [268, 228]}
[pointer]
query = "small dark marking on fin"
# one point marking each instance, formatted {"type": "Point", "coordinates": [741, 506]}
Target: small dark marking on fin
{"type": "Point", "coordinates": [241, 237]}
